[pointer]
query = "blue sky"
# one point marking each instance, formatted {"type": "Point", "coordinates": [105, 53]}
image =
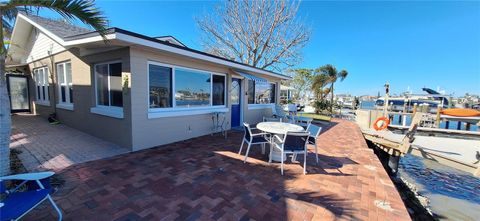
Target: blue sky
{"type": "Point", "coordinates": [408, 44]}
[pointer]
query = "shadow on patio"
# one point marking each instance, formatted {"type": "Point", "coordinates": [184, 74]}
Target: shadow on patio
{"type": "Point", "coordinates": [205, 179]}
{"type": "Point", "coordinates": [55, 147]}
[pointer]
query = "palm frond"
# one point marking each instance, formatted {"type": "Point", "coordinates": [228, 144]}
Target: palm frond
{"type": "Point", "coordinates": [83, 10]}
{"type": "Point", "coordinates": [342, 75]}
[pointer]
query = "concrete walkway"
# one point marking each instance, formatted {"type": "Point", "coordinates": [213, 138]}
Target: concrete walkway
{"type": "Point", "coordinates": [55, 147]}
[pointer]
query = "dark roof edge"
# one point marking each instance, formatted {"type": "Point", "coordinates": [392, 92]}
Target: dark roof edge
{"type": "Point", "coordinates": [171, 36]}
{"type": "Point", "coordinates": [134, 34]}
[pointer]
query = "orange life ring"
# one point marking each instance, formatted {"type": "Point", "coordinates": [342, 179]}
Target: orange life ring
{"type": "Point", "coordinates": [383, 121]}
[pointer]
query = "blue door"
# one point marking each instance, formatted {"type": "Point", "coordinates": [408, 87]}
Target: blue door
{"type": "Point", "coordinates": [235, 98]}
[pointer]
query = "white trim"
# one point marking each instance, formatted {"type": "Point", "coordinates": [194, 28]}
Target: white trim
{"type": "Point", "coordinates": [60, 40]}
{"type": "Point", "coordinates": [108, 86]}
{"type": "Point", "coordinates": [68, 85]}
{"type": "Point", "coordinates": [43, 103]}
{"type": "Point", "coordinates": [185, 112]}
{"type": "Point", "coordinates": [41, 98]}
{"type": "Point", "coordinates": [149, 43]}
{"type": "Point", "coordinates": [65, 106]}
{"type": "Point", "coordinates": [156, 45]}
{"type": "Point", "coordinates": [110, 111]}
{"type": "Point", "coordinates": [260, 106]}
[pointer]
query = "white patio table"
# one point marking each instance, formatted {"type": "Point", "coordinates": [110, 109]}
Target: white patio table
{"type": "Point", "coordinates": [278, 128]}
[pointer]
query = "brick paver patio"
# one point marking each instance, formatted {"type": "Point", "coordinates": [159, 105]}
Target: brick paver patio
{"type": "Point", "coordinates": [205, 179]}
{"type": "Point", "coordinates": [55, 147]}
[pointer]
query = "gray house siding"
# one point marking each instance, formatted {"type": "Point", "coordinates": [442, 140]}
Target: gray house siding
{"type": "Point", "coordinates": [111, 129]}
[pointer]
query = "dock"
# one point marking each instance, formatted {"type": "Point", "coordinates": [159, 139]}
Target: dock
{"type": "Point", "coordinates": [454, 148]}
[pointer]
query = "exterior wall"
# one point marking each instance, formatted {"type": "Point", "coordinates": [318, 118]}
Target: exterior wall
{"type": "Point", "coordinates": [254, 113]}
{"type": "Point", "coordinates": [40, 45]}
{"type": "Point", "coordinates": [152, 132]}
{"type": "Point", "coordinates": [112, 129]}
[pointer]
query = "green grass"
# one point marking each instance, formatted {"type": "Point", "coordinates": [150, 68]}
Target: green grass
{"type": "Point", "coordinates": [316, 116]}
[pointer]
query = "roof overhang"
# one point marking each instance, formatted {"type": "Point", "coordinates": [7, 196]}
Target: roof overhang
{"type": "Point", "coordinates": [138, 39]}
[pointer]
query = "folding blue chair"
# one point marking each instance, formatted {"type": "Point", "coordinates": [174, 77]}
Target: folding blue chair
{"type": "Point", "coordinates": [17, 204]}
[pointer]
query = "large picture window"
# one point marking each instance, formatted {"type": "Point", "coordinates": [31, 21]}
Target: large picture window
{"type": "Point", "coordinates": [41, 82]}
{"type": "Point", "coordinates": [183, 88]}
{"type": "Point", "coordinates": [261, 93]}
{"type": "Point", "coordinates": [192, 88]}
{"type": "Point", "coordinates": [108, 84]}
{"type": "Point", "coordinates": [64, 78]}
{"type": "Point", "coordinates": [160, 86]}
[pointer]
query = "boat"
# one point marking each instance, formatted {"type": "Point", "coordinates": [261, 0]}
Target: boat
{"type": "Point", "coordinates": [433, 99]}
{"type": "Point", "coordinates": [460, 112]}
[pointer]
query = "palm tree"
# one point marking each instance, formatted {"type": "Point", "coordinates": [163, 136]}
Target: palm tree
{"type": "Point", "coordinates": [83, 10]}
{"type": "Point", "coordinates": [318, 86]}
{"type": "Point", "coordinates": [333, 75]}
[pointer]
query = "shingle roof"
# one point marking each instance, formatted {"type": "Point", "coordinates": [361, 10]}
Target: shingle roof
{"type": "Point", "coordinates": [60, 28]}
{"type": "Point", "coordinates": [67, 31]}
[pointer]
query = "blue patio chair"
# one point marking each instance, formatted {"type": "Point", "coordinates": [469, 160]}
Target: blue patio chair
{"type": "Point", "coordinates": [251, 139]}
{"type": "Point", "coordinates": [314, 131]}
{"type": "Point", "coordinates": [17, 204]}
{"type": "Point", "coordinates": [292, 143]}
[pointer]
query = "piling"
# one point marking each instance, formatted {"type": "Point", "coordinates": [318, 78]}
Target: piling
{"type": "Point", "coordinates": [437, 119]}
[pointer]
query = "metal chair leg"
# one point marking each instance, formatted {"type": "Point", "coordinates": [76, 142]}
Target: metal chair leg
{"type": "Point", "coordinates": [55, 207]}
{"type": "Point", "coordinates": [305, 162]}
{"type": "Point", "coordinates": [246, 154]}
{"type": "Point", "coordinates": [270, 154]}
{"type": "Point", "coordinates": [316, 152]}
{"type": "Point", "coordinates": [282, 163]}
{"type": "Point", "coordinates": [241, 147]}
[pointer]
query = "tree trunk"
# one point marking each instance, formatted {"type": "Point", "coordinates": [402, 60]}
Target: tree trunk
{"type": "Point", "coordinates": [5, 121]}
{"type": "Point", "coordinates": [331, 99]}
{"type": "Point", "coordinates": [5, 118]}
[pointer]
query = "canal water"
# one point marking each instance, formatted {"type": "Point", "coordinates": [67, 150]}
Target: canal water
{"type": "Point", "coordinates": [453, 194]}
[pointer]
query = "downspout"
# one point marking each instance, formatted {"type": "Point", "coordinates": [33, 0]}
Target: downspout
{"type": "Point", "coordinates": [52, 76]}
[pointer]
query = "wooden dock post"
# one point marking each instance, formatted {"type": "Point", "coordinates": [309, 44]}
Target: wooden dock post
{"type": "Point", "coordinates": [414, 109]}
{"type": "Point", "coordinates": [437, 119]}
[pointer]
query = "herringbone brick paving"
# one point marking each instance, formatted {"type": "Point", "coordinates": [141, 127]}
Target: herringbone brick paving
{"type": "Point", "coordinates": [205, 179]}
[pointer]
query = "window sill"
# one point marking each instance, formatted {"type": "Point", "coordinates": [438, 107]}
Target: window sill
{"type": "Point", "coordinates": [115, 112]}
{"type": "Point", "coordinates": [43, 103]}
{"type": "Point", "coordinates": [152, 114]}
{"type": "Point", "coordinates": [65, 106]}
{"type": "Point", "coordinates": [260, 106]}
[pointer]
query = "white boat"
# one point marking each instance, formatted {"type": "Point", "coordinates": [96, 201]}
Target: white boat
{"type": "Point", "coordinates": [433, 99]}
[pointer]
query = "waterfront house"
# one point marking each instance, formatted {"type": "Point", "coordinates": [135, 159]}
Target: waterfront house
{"type": "Point", "coordinates": [136, 91]}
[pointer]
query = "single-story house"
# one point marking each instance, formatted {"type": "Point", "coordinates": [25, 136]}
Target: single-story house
{"type": "Point", "coordinates": [136, 91]}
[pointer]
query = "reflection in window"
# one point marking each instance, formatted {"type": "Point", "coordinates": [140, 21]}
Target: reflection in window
{"type": "Point", "coordinates": [251, 92]}
{"type": "Point", "coordinates": [218, 89]}
{"type": "Point", "coordinates": [108, 83]}
{"type": "Point", "coordinates": [261, 92]}
{"type": "Point", "coordinates": [192, 88]}
{"type": "Point", "coordinates": [235, 93]}
{"type": "Point", "coordinates": [160, 86]}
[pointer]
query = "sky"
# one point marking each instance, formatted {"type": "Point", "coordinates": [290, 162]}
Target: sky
{"type": "Point", "coordinates": [411, 45]}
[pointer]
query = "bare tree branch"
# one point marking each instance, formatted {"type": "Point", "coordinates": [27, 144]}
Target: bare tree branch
{"type": "Point", "coordinates": [262, 33]}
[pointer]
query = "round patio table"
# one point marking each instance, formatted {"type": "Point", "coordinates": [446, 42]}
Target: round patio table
{"type": "Point", "coordinates": [278, 128]}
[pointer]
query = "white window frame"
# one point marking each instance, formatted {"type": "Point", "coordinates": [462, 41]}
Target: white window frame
{"type": "Point", "coordinates": [110, 111]}
{"type": "Point", "coordinates": [184, 111]}
{"type": "Point", "coordinates": [68, 104]}
{"type": "Point", "coordinates": [263, 106]}
{"type": "Point", "coordinates": [40, 98]}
